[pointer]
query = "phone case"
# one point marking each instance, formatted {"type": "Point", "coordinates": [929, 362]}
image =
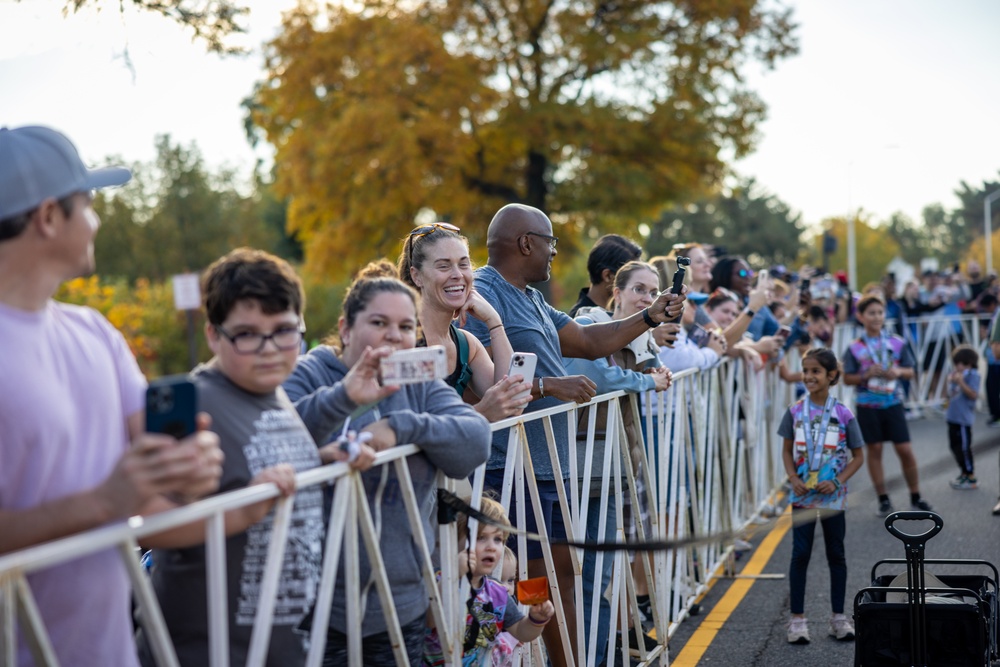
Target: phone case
{"type": "Point", "coordinates": [171, 406]}
{"type": "Point", "coordinates": [420, 364]}
{"type": "Point", "coordinates": [523, 363]}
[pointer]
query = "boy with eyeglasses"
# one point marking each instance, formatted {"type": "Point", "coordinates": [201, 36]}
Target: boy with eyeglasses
{"type": "Point", "coordinates": [253, 304]}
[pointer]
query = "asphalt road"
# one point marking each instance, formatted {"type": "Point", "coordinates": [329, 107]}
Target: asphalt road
{"type": "Point", "coordinates": [754, 632]}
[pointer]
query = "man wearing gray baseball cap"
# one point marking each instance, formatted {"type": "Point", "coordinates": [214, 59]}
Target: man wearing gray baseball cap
{"type": "Point", "coordinates": [72, 443]}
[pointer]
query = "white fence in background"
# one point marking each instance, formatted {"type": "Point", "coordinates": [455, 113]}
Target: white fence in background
{"type": "Point", "coordinates": [712, 466]}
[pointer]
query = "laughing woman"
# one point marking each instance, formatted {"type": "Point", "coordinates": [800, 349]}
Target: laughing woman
{"type": "Point", "coordinates": [435, 260]}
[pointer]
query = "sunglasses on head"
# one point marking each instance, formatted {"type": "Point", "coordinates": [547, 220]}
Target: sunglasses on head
{"type": "Point", "coordinates": [424, 230]}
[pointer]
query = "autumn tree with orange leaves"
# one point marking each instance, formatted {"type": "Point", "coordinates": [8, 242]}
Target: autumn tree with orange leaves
{"type": "Point", "coordinates": [598, 113]}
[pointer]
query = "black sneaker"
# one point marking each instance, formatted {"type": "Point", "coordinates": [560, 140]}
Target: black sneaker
{"type": "Point", "coordinates": [921, 505]}
{"type": "Point", "coordinates": [645, 614]}
{"type": "Point", "coordinates": [884, 508]}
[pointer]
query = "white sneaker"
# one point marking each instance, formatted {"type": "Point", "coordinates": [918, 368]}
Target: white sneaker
{"type": "Point", "coordinates": [841, 627]}
{"type": "Point", "coordinates": [798, 630]}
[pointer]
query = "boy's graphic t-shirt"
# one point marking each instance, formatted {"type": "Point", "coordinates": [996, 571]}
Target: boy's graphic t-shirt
{"type": "Point", "coordinates": [842, 434]}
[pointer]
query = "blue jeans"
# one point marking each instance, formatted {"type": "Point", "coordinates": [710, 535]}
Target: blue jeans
{"type": "Point", "coordinates": [834, 529]}
{"type": "Point", "coordinates": [589, 568]}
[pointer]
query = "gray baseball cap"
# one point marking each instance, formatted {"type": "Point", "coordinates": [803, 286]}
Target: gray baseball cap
{"type": "Point", "coordinates": [37, 163]}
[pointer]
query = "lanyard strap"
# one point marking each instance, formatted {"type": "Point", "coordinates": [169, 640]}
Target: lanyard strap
{"type": "Point", "coordinates": [883, 347]}
{"type": "Point", "coordinates": [814, 450]}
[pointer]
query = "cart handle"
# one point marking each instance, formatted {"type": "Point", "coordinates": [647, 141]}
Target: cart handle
{"type": "Point", "coordinates": [914, 538]}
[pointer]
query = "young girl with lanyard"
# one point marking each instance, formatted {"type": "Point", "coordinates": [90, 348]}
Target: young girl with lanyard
{"type": "Point", "coordinates": [822, 450]}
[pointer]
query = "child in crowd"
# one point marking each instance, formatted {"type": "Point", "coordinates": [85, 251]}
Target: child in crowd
{"type": "Point", "coordinates": [963, 390]}
{"type": "Point", "coordinates": [876, 363]}
{"type": "Point", "coordinates": [253, 306]}
{"type": "Point", "coordinates": [503, 650]}
{"type": "Point", "coordinates": [822, 450]}
{"type": "Point", "coordinates": [492, 608]}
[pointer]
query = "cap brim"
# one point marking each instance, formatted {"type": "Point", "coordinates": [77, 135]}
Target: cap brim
{"type": "Point", "coordinates": [107, 177]}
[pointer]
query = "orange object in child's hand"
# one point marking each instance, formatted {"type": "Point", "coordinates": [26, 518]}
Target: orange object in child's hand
{"type": "Point", "coordinates": [533, 591]}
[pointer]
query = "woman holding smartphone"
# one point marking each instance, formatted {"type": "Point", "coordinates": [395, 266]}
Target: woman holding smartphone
{"type": "Point", "coordinates": [336, 387]}
{"type": "Point", "coordinates": [435, 261]}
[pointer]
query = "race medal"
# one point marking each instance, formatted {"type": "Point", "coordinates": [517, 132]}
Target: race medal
{"type": "Point", "coordinates": [815, 439]}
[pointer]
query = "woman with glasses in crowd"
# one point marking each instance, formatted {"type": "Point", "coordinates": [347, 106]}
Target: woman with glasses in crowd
{"type": "Point", "coordinates": [435, 261]}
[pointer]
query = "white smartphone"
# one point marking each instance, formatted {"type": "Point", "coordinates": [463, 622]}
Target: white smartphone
{"type": "Point", "coordinates": [523, 363]}
{"type": "Point", "coordinates": [420, 364]}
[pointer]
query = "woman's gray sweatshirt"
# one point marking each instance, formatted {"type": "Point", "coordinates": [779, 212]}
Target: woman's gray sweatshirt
{"type": "Point", "coordinates": [453, 437]}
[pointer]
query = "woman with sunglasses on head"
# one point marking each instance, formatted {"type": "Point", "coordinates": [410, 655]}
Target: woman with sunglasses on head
{"type": "Point", "coordinates": [336, 390]}
{"type": "Point", "coordinates": [435, 261]}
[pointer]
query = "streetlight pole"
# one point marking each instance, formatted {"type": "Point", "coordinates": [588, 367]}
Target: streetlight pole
{"type": "Point", "coordinates": [852, 249]}
{"type": "Point", "coordinates": [988, 229]}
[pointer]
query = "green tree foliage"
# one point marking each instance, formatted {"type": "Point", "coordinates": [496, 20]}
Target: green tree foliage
{"type": "Point", "coordinates": [596, 112]}
{"type": "Point", "coordinates": [875, 248]}
{"type": "Point", "coordinates": [745, 220]}
{"type": "Point", "coordinates": [175, 217]}
{"type": "Point", "coordinates": [210, 21]}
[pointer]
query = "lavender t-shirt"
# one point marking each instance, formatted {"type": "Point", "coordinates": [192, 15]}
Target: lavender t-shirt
{"type": "Point", "coordinates": [67, 385]}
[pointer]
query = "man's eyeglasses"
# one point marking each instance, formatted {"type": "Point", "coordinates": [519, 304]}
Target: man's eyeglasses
{"type": "Point", "coordinates": [745, 273]}
{"type": "Point", "coordinates": [424, 230]}
{"type": "Point", "coordinates": [639, 290]}
{"type": "Point", "coordinates": [286, 338]}
{"type": "Point", "coordinates": [553, 240]}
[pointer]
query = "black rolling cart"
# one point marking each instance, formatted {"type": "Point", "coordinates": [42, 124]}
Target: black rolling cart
{"type": "Point", "coordinates": [918, 619]}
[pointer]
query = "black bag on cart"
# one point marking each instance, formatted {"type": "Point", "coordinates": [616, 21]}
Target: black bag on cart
{"type": "Point", "coordinates": [915, 618]}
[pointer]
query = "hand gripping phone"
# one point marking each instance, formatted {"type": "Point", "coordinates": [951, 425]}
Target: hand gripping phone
{"type": "Point", "coordinates": [678, 283]}
{"type": "Point", "coordinates": [171, 406]}
{"type": "Point", "coordinates": [523, 363]}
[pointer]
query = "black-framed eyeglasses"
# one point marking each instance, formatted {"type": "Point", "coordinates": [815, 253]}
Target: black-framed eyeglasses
{"type": "Point", "coordinates": [553, 240]}
{"type": "Point", "coordinates": [285, 338]}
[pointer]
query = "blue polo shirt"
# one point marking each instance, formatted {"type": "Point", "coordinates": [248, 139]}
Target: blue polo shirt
{"type": "Point", "coordinates": [532, 325]}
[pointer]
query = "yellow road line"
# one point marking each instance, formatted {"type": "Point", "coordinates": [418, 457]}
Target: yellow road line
{"type": "Point", "coordinates": [713, 621]}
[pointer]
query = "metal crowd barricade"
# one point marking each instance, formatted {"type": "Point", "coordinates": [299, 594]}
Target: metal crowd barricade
{"type": "Point", "coordinates": [710, 468]}
{"type": "Point", "coordinates": [932, 339]}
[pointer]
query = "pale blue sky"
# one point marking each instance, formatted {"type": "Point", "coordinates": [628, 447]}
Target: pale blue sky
{"type": "Point", "coordinates": [890, 104]}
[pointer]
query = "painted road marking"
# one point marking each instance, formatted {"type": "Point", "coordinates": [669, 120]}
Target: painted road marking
{"type": "Point", "coordinates": [714, 620]}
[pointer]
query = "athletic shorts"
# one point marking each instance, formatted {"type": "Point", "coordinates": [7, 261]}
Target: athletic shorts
{"type": "Point", "coordinates": [879, 425]}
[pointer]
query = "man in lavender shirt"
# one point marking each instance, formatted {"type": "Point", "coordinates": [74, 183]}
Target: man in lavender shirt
{"type": "Point", "coordinates": [73, 454]}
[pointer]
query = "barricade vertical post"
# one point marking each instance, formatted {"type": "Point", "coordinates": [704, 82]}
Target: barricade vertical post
{"type": "Point", "coordinates": [335, 531]}
{"type": "Point", "coordinates": [260, 636]}
{"type": "Point", "coordinates": [216, 580]}
{"type": "Point", "coordinates": [151, 616]}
